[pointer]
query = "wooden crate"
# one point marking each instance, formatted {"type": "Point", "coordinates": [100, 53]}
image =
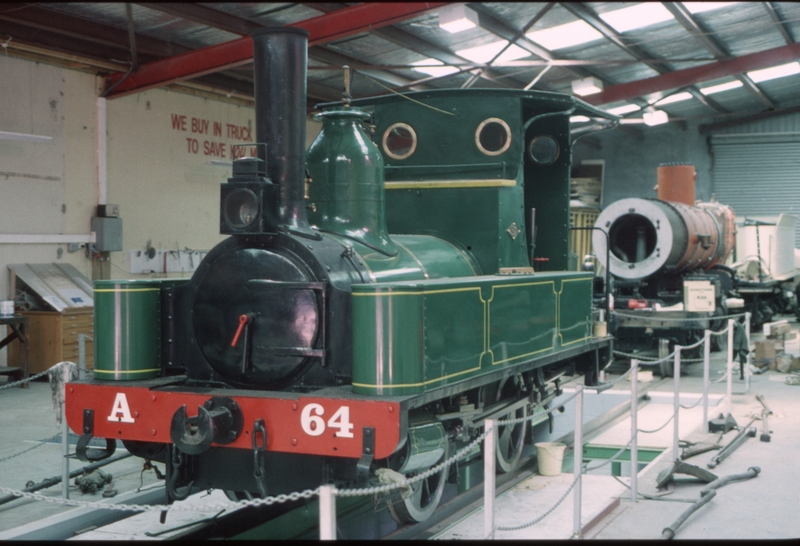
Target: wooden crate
{"type": "Point", "coordinates": [580, 241]}
{"type": "Point", "coordinates": [53, 338]}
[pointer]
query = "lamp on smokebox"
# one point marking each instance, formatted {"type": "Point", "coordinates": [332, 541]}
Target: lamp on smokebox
{"type": "Point", "coordinates": [249, 200]}
{"type": "Point", "coordinates": [587, 86]}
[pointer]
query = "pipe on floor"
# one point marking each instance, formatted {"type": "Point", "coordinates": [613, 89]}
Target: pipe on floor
{"type": "Point", "coordinates": [705, 496]}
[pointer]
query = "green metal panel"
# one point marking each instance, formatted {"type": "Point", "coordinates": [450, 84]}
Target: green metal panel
{"type": "Point", "coordinates": [575, 311]}
{"type": "Point", "coordinates": [446, 128]}
{"type": "Point", "coordinates": [516, 311]}
{"type": "Point", "coordinates": [418, 257]}
{"type": "Point", "coordinates": [411, 336]}
{"type": "Point", "coordinates": [600, 452]}
{"type": "Point", "coordinates": [127, 326]}
{"type": "Point", "coordinates": [547, 191]}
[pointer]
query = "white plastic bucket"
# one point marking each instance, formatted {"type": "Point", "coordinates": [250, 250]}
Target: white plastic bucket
{"type": "Point", "coordinates": [6, 308]}
{"type": "Point", "coordinates": [550, 456]}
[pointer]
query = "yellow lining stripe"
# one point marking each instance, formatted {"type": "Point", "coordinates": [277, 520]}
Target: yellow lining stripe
{"type": "Point", "coordinates": [128, 290]}
{"type": "Point", "coordinates": [418, 293]}
{"type": "Point", "coordinates": [431, 184]}
{"type": "Point", "coordinates": [115, 372]}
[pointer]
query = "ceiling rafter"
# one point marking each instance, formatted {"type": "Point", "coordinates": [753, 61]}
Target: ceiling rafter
{"type": "Point", "coordinates": [243, 27]}
{"type": "Point", "coordinates": [705, 37]}
{"type": "Point", "coordinates": [581, 11]}
{"type": "Point", "coordinates": [503, 30]}
{"type": "Point", "coordinates": [418, 45]}
{"type": "Point", "coordinates": [780, 24]}
{"type": "Point", "coordinates": [325, 28]}
{"type": "Point", "coordinates": [698, 74]}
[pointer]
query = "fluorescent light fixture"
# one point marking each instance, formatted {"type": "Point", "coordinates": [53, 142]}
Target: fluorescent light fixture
{"type": "Point", "coordinates": [624, 109]}
{"type": "Point", "coordinates": [579, 119]}
{"type": "Point", "coordinates": [677, 97]}
{"type": "Point", "coordinates": [436, 71]}
{"type": "Point", "coordinates": [5, 135]}
{"type": "Point", "coordinates": [457, 18]}
{"type": "Point", "coordinates": [638, 16]}
{"type": "Point", "coordinates": [656, 117]}
{"type": "Point", "coordinates": [485, 53]}
{"type": "Point", "coordinates": [570, 34]}
{"type": "Point", "coordinates": [721, 87]}
{"type": "Point", "coordinates": [775, 72]}
{"type": "Point", "coordinates": [700, 7]}
{"type": "Point", "coordinates": [587, 86]}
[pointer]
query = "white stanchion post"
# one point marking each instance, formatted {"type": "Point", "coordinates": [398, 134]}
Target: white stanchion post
{"type": "Point", "coordinates": [577, 465]}
{"type": "Point", "coordinates": [490, 443]}
{"type": "Point", "coordinates": [634, 426]}
{"type": "Point", "coordinates": [706, 363]}
{"type": "Point", "coordinates": [676, 373]}
{"type": "Point", "coordinates": [327, 513]}
{"type": "Point", "coordinates": [729, 388]}
{"type": "Point", "coordinates": [747, 362]}
{"type": "Point", "coordinates": [64, 453]}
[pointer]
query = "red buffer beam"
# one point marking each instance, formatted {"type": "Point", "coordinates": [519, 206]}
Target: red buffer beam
{"type": "Point", "coordinates": [697, 74]}
{"type": "Point", "coordinates": [325, 28]}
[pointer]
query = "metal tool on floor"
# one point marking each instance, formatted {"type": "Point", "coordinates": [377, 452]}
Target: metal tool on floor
{"type": "Point", "coordinates": [765, 436]}
{"type": "Point", "coordinates": [740, 438]}
{"type": "Point", "coordinates": [690, 449]}
{"type": "Point", "coordinates": [723, 423]}
{"type": "Point", "coordinates": [680, 467]}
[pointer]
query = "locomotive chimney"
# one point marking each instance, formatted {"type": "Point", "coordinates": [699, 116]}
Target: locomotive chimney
{"type": "Point", "coordinates": [280, 56]}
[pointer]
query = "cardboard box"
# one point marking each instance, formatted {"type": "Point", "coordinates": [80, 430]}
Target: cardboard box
{"type": "Point", "coordinates": [765, 350]}
{"type": "Point", "coordinates": [778, 328]}
{"type": "Point", "coordinates": [791, 344]}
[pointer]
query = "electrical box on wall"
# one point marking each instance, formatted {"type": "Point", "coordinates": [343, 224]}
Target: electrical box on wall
{"type": "Point", "coordinates": [108, 232]}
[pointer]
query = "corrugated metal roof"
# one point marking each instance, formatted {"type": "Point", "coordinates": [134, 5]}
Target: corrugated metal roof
{"type": "Point", "coordinates": [386, 53]}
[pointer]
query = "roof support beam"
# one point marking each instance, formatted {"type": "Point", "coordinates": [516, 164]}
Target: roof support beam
{"type": "Point", "coordinates": [779, 22]}
{"type": "Point", "coordinates": [325, 28]}
{"type": "Point", "coordinates": [710, 127]}
{"type": "Point", "coordinates": [697, 74]}
{"type": "Point", "coordinates": [582, 12]}
{"type": "Point", "coordinates": [684, 17]}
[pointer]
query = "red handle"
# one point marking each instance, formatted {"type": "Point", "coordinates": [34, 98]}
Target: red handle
{"type": "Point", "coordinates": [243, 319]}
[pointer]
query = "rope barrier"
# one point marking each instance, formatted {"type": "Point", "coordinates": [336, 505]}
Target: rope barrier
{"type": "Point", "coordinates": [687, 319]}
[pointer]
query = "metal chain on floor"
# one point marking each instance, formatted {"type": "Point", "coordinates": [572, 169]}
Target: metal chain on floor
{"type": "Point", "coordinates": [38, 444]}
{"type": "Point", "coordinates": [26, 380]}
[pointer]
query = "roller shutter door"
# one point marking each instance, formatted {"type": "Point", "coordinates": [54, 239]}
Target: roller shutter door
{"type": "Point", "coordinates": [758, 174]}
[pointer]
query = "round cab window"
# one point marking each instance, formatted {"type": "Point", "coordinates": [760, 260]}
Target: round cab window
{"type": "Point", "coordinates": [493, 136]}
{"type": "Point", "coordinates": [399, 141]}
{"type": "Point", "coordinates": [543, 149]}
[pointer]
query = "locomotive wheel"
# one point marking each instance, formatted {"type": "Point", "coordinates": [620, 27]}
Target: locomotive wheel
{"type": "Point", "coordinates": [510, 438]}
{"type": "Point", "coordinates": [424, 498]}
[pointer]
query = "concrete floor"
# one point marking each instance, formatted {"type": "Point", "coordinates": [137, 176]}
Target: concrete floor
{"type": "Point", "coordinates": [760, 508]}
{"type": "Point", "coordinates": [27, 419]}
{"type": "Point", "coordinates": [763, 507]}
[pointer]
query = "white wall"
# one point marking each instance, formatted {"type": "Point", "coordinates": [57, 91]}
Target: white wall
{"type": "Point", "coordinates": [168, 195]}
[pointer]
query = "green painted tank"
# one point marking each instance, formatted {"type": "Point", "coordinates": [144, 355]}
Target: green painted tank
{"type": "Point", "coordinates": [127, 326]}
{"type": "Point", "coordinates": [346, 200]}
{"type": "Point", "coordinates": [346, 193]}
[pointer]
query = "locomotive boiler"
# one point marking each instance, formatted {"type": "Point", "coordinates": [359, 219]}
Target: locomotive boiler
{"type": "Point", "coordinates": [666, 257]}
{"type": "Point", "coordinates": [373, 305]}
